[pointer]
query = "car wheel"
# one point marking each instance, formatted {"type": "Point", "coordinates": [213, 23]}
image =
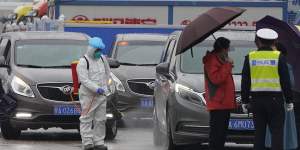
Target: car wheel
{"type": "Point", "coordinates": [111, 130]}
{"type": "Point", "coordinates": [169, 139]}
{"type": "Point", "coordinates": [9, 132]}
{"type": "Point", "coordinates": [157, 134]}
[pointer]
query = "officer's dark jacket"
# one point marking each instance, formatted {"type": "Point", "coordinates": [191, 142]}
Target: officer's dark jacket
{"type": "Point", "coordinates": [283, 75]}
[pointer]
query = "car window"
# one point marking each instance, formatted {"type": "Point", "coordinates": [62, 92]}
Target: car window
{"type": "Point", "coordinates": [193, 63]}
{"type": "Point", "coordinates": [49, 53]}
{"type": "Point", "coordinates": [139, 52]}
{"type": "Point", "coordinates": [6, 52]}
{"type": "Point", "coordinates": [173, 59]}
{"type": "Point", "coordinates": [15, 0]}
{"type": "Point", "coordinates": [3, 46]}
{"type": "Point", "coordinates": [168, 55]}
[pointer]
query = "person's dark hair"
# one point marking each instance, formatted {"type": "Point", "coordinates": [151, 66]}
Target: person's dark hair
{"type": "Point", "coordinates": [221, 43]}
{"type": "Point", "coordinates": [280, 47]}
{"type": "Point", "coordinates": [266, 42]}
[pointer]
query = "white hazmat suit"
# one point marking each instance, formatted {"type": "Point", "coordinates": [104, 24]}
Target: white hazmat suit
{"type": "Point", "coordinates": [92, 123]}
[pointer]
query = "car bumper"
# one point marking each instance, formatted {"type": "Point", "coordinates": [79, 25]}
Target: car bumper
{"type": "Point", "coordinates": [41, 114]}
{"type": "Point", "coordinates": [190, 124]}
{"type": "Point", "coordinates": [127, 102]}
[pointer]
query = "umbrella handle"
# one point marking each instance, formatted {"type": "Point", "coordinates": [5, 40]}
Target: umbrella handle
{"type": "Point", "coordinates": [214, 37]}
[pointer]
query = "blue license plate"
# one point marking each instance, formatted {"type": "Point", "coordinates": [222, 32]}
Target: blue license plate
{"type": "Point", "coordinates": [241, 124]}
{"type": "Point", "coordinates": [146, 102]}
{"type": "Point", "coordinates": [67, 110]}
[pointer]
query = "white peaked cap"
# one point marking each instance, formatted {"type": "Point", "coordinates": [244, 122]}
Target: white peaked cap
{"type": "Point", "coordinates": [266, 33]}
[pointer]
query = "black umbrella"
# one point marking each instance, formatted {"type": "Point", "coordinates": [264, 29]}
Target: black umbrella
{"type": "Point", "coordinates": [289, 37]}
{"type": "Point", "coordinates": [206, 24]}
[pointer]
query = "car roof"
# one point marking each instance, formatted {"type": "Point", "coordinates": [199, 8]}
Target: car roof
{"type": "Point", "coordinates": [242, 35]}
{"type": "Point", "coordinates": [142, 37]}
{"type": "Point", "coordinates": [234, 35]}
{"type": "Point", "coordinates": [47, 35]}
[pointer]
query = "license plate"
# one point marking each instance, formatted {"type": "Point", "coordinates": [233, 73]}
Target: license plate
{"type": "Point", "coordinates": [146, 102]}
{"type": "Point", "coordinates": [67, 110]}
{"type": "Point", "coordinates": [241, 124]}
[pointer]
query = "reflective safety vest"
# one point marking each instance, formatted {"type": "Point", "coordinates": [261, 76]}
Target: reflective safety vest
{"type": "Point", "coordinates": [264, 71]}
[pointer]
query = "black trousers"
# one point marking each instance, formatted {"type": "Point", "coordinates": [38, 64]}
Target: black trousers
{"type": "Point", "coordinates": [268, 111]}
{"type": "Point", "coordinates": [218, 128]}
{"type": "Point", "coordinates": [297, 115]}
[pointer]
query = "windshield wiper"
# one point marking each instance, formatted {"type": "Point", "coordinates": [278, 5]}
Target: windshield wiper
{"type": "Point", "coordinates": [128, 64]}
{"type": "Point", "coordinates": [146, 64]}
{"type": "Point", "coordinates": [30, 66]}
{"type": "Point", "coordinates": [237, 73]}
{"type": "Point", "coordinates": [131, 64]}
{"type": "Point", "coordinates": [67, 66]}
{"type": "Point", "coordinates": [34, 66]}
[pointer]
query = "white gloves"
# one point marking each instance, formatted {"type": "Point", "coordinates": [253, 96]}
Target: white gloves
{"type": "Point", "coordinates": [245, 108]}
{"type": "Point", "coordinates": [289, 106]}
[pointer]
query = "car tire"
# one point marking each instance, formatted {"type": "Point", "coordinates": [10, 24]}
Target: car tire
{"type": "Point", "coordinates": [170, 145]}
{"type": "Point", "coordinates": [9, 132]}
{"type": "Point", "coordinates": [111, 130]}
{"type": "Point", "coordinates": [157, 134]}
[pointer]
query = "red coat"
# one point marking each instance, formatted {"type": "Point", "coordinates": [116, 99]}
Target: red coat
{"type": "Point", "coordinates": [219, 91]}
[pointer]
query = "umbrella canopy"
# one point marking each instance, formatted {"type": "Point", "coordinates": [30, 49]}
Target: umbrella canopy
{"type": "Point", "coordinates": [289, 37]}
{"type": "Point", "coordinates": [206, 24]}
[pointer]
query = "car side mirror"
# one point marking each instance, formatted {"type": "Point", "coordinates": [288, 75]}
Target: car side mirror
{"type": "Point", "coordinates": [163, 68]}
{"type": "Point", "coordinates": [113, 63]}
{"type": "Point", "coordinates": [2, 62]}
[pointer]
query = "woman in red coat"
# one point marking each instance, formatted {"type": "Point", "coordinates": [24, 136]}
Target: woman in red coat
{"type": "Point", "coordinates": [220, 91]}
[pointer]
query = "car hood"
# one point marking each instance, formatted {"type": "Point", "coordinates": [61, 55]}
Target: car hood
{"type": "Point", "coordinates": [35, 76]}
{"type": "Point", "coordinates": [134, 72]}
{"type": "Point", "coordinates": [196, 81]}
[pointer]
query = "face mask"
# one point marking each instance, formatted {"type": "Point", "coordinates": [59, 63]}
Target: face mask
{"type": "Point", "coordinates": [97, 54]}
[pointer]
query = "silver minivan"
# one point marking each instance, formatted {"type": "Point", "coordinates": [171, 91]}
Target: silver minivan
{"type": "Point", "coordinates": [180, 115]}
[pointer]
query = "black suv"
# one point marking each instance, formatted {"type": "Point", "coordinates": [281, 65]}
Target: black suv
{"type": "Point", "coordinates": [138, 55]}
{"type": "Point", "coordinates": [180, 113]}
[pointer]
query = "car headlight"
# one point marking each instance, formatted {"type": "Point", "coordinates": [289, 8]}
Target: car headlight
{"type": "Point", "coordinates": [21, 88]}
{"type": "Point", "coordinates": [189, 94]}
{"type": "Point", "coordinates": [118, 83]}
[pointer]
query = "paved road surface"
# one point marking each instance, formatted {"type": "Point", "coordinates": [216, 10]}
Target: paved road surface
{"type": "Point", "coordinates": [136, 135]}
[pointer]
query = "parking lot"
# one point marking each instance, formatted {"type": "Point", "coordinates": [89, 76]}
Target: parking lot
{"type": "Point", "coordinates": [165, 75]}
{"type": "Point", "coordinates": [136, 135]}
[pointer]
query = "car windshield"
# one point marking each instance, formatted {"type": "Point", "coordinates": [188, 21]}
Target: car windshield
{"type": "Point", "coordinates": [139, 52]}
{"type": "Point", "coordinates": [193, 63]}
{"type": "Point", "coordinates": [48, 53]}
{"type": "Point", "coordinates": [15, 0]}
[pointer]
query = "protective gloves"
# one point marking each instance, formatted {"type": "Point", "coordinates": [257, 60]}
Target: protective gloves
{"type": "Point", "coordinates": [100, 91]}
{"type": "Point", "coordinates": [245, 108]}
{"type": "Point", "coordinates": [289, 106]}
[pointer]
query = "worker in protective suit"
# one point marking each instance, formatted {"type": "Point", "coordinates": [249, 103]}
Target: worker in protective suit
{"type": "Point", "coordinates": [93, 73]}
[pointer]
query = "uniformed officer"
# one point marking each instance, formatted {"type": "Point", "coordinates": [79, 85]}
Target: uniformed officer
{"type": "Point", "coordinates": [265, 85]}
